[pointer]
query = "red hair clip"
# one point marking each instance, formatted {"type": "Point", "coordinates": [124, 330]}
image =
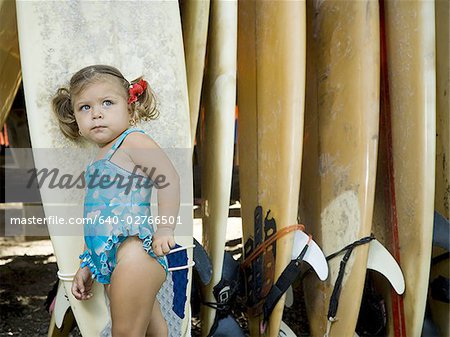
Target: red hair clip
{"type": "Point", "coordinates": [136, 90]}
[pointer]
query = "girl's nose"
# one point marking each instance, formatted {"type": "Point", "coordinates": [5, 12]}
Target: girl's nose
{"type": "Point", "coordinates": [97, 113]}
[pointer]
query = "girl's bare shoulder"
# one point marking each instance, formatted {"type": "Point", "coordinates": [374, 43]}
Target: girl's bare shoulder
{"type": "Point", "coordinates": [139, 140]}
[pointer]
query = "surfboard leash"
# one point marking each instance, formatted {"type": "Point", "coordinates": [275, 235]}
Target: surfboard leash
{"type": "Point", "coordinates": [285, 280]}
{"type": "Point", "coordinates": [334, 300]}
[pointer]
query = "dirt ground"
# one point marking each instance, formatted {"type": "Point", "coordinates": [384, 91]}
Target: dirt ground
{"type": "Point", "coordinates": [28, 272]}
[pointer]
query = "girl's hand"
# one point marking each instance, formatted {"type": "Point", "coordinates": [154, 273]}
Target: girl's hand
{"type": "Point", "coordinates": [82, 284]}
{"type": "Point", "coordinates": [163, 241]}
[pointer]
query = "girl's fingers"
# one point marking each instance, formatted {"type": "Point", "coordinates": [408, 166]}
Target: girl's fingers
{"type": "Point", "coordinates": [160, 250]}
{"type": "Point", "coordinates": [165, 247]}
{"type": "Point", "coordinates": [80, 292]}
{"type": "Point", "coordinates": [76, 293]}
{"type": "Point", "coordinates": [157, 249]}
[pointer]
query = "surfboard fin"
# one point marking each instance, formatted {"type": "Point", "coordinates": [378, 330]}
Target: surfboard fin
{"type": "Point", "coordinates": [372, 315]}
{"type": "Point", "coordinates": [382, 261]}
{"type": "Point", "coordinates": [62, 304]}
{"type": "Point", "coordinates": [313, 256]}
{"type": "Point", "coordinates": [285, 331]}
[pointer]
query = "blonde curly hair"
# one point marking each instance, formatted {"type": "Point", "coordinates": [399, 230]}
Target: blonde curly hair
{"type": "Point", "coordinates": [143, 109]}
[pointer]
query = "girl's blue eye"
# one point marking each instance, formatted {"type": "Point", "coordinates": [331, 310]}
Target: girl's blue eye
{"type": "Point", "coordinates": [84, 107]}
{"type": "Point", "coordinates": [107, 102]}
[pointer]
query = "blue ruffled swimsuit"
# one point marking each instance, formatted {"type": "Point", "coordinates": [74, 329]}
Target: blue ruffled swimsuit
{"type": "Point", "coordinates": [115, 207]}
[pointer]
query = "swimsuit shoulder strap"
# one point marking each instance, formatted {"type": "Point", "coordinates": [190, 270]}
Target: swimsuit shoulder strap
{"type": "Point", "coordinates": [119, 141]}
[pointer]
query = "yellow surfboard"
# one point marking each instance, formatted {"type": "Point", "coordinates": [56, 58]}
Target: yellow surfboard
{"type": "Point", "coordinates": [403, 217]}
{"type": "Point", "coordinates": [10, 73]}
{"type": "Point", "coordinates": [194, 19]}
{"type": "Point", "coordinates": [219, 100]}
{"type": "Point", "coordinates": [271, 84]}
{"type": "Point", "coordinates": [340, 150]}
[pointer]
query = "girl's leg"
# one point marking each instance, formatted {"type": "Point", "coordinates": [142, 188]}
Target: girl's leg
{"type": "Point", "coordinates": [135, 282]}
{"type": "Point", "coordinates": [157, 326]}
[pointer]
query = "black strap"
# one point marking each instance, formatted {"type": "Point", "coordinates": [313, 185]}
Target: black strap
{"type": "Point", "coordinates": [286, 279]}
{"type": "Point", "coordinates": [334, 301]}
{"type": "Point", "coordinates": [254, 272]}
{"type": "Point", "coordinates": [257, 273]}
{"type": "Point", "coordinates": [359, 242]}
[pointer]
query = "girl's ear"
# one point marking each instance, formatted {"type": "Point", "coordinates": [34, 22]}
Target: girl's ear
{"type": "Point", "coordinates": [132, 114]}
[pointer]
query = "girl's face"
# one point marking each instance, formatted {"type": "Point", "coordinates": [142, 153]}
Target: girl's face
{"type": "Point", "coordinates": [102, 111]}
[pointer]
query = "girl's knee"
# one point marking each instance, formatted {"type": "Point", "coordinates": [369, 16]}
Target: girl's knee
{"type": "Point", "coordinates": [157, 326]}
{"type": "Point", "coordinates": [158, 331]}
{"type": "Point", "coordinates": [126, 331]}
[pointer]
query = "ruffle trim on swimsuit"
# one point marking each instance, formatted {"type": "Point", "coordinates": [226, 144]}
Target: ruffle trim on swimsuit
{"type": "Point", "coordinates": [87, 261]}
{"type": "Point", "coordinates": [114, 239]}
{"type": "Point", "coordinates": [103, 274]}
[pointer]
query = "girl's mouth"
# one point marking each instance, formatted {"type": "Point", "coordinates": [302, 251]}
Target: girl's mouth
{"type": "Point", "coordinates": [99, 127]}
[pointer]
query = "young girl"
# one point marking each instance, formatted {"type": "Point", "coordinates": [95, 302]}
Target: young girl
{"type": "Point", "coordinates": [122, 251]}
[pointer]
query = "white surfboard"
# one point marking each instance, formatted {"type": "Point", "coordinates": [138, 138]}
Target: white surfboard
{"type": "Point", "coordinates": [139, 42]}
